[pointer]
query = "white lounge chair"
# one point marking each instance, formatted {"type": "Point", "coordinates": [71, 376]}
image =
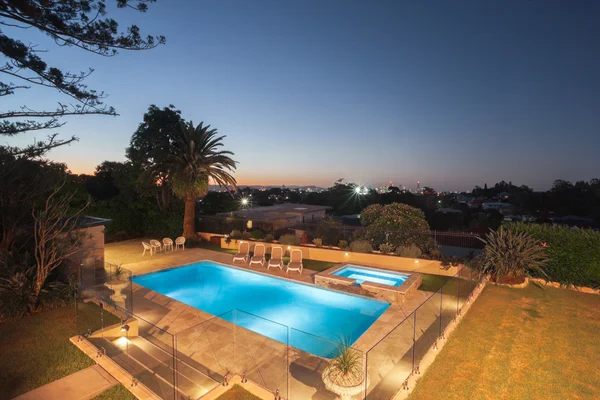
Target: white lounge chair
{"type": "Point", "coordinates": [156, 245]}
{"type": "Point", "coordinates": [295, 263]}
{"type": "Point", "coordinates": [276, 260]}
{"type": "Point", "coordinates": [243, 253]}
{"type": "Point", "coordinates": [259, 255]}
{"type": "Point", "coordinates": [167, 244]}
{"type": "Point", "coordinates": [180, 241]}
{"type": "Point", "coordinates": [147, 247]}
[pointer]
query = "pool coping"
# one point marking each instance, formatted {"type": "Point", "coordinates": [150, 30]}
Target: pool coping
{"type": "Point", "coordinates": [267, 275]}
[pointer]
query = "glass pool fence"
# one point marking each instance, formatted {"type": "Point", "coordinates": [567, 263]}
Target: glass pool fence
{"type": "Point", "coordinates": [294, 364]}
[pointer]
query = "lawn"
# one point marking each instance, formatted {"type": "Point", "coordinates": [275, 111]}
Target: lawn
{"type": "Point", "coordinates": [533, 343]}
{"type": "Point", "coordinates": [36, 349]}
{"type": "Point", "coordinates": [314, 265]}
{"type": "Point", "coordinates": [432, 283]}
{"type": "Point", "coordinates": [238, 393]}
{"type": "Point", "coordinates": [118, 392]}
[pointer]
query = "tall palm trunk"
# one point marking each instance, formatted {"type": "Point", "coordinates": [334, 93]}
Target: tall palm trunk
{"type": "Point", "coordinates": [189, 218]}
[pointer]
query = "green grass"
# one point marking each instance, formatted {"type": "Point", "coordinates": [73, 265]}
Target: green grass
{"type": "Point", "coordinates": [36, 349]}
{"type": "Point", "coordinates": [238, 393]}
{"type": "Point", "coordinates": [314, 265]}
{"type": "Point", "coordinates": [432, 283]}
{"type": "Point", "coordinates": [118, 392]}
{"type": "Point", "coordinates": [533, 343]}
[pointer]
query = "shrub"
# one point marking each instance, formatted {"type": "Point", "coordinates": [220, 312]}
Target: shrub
{"type": "Point", "coordinates": [258, 234]}
{"type": "Point", "coordinates": [343, 244]}
{"type": "Point", "coordinates": [386, 248]}
{"type": "Point", "coordinates": [269, 238]}
{"type": "Point", "coordinates": [318, 242]}
{"type": "Point", "coordinates": [361, 246]}
{"type": "Point", "coordinates": [289, 239]}
{"type": "Point", "coordinates": [235, 234]}
{"type": "Point", "coordinates": [513, 254]}
{"type": "Point", "coordinates": [246, 235]}
{"type": "Point", "coordinates": [574, 254]}
{"type": "Point", "coordinates": [411, 251]}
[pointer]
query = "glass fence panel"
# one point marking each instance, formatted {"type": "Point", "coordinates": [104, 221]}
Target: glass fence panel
{"type": "Point", "coordinates": [449, 302]}
{"type": "Point", "coordinates": [464, 289]}
{"type": "Point", "coordinates": [205, 355]}
{"type": "Point", "coordinates": [390, 361]}
{"type": "Point", "coordinates": [263, 359]}
{"type": "Point", "coordinates": [312, 368]}
{"type": "Point", "coordinates": [427, 325]}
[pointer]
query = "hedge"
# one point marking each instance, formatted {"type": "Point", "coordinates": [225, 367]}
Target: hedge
{"type": "Point", "coordinates": [574, 253]}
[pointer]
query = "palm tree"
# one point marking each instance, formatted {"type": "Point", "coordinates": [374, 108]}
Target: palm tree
{"type": "Point", "coordinates": [196, 159]}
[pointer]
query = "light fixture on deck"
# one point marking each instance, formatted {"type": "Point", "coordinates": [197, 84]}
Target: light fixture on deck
{"type": "Point", "coordinates": [125, 328]}
{"type": "Point", "coordinates": [435, 345]}
{"type": "Point", "coordinates": [225, 383]}
{"type": "Point", "coordinates": [244, 379]}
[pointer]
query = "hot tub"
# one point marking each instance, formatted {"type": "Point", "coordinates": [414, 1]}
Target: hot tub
{"type": "Point", "coordinates": [393, 286]}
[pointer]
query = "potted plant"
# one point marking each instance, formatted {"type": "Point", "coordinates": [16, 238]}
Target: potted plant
{"type": "Point", "coordinates": [345, 374]}
{"type": "Point", "coordinates": [119, 281]}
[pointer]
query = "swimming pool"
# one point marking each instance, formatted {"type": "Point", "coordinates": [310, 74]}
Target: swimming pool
{"type": "Point", "coordinates": [362, 275]}
{"type": "Point", "coordinates": [306, 309]}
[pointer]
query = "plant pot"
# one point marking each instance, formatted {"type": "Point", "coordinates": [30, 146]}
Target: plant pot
{"type": "Point", "coordinates": [347, 388]}
{"type": "Point", "coordinates": [117, 286]}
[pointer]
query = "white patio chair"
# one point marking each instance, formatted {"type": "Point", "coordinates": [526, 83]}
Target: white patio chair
{"type": "Point", "coordinates": [180, 241]}
{"type": "Point", "coordinates": [276, 260]}
{"type": "Point", "coordinates": [167, 244]}
{"type": "Point", "coordinates": [295, 263]}
{"type": "Point", "coordinates": [147, 247]}
{"type": "Point", "coordinates": [156, 245]}
{"type": "Point", "coordinates": [243, 253]}
{"type": "Point", "coordinates": [259, 255]}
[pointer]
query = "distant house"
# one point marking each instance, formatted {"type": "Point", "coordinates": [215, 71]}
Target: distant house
{"type": "Point", "coordinates": [498, 206]}
{"type": "Point", "coordinates": [281, 215]}
{"type": "Point", "coordinates": [448, 211]}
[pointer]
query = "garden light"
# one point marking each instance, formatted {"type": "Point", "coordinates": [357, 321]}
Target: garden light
{"type": "Point", "coordinates": [244, 201]}
{"type": "Point", "coordinates": [357, 190]}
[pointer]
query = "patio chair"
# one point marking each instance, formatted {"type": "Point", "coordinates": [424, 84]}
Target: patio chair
{"type": "Point", "coordinates": [147, 247]}
{"type": "Point", "coordinates": [276, 260]}
{"type": "Point", "coordinates": [243, 253]}
{"type": "Point", "coordinates": [295, 263]}
{"type": "Point", "coordinates": [180, 241]}
{"type": "Point", "coordinates": [168, 244]}
{"type": "Point", "coordinates": [259, 255]}
{"type": "Point", "coordinates": [156, 245]}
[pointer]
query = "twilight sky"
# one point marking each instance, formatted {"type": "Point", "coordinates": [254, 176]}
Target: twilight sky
{"type": "Point", "coordinates": [450, 93]}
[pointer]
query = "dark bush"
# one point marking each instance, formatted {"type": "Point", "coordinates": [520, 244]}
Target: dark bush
{"type": "Point", "coordinates": [258, 234]}
{"type": "Point", "coordinates": [574, 253]}
{"type": "Point", "coordinates": [289, 239]}
{"type": "Point", "coordinates": [361, 246]}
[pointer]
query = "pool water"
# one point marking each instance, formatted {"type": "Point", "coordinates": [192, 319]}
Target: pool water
{"type": "Point", "coordinates": [272, 304]}
{"type": "Point", "coordinates": [362, 275]}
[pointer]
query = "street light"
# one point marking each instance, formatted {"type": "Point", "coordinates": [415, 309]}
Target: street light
{"type": "Point", "coordinates": [357, 190]}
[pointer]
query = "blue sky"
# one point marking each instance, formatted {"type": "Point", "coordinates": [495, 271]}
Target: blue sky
{"type": "Point", "coordinates": [452, 94]}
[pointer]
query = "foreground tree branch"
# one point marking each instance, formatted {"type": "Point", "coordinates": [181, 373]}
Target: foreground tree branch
{"type": "Point", "coordinates": [70, 23]}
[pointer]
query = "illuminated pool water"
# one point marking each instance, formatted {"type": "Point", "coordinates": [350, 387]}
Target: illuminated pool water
{"type": "Point", "coordinates": [362, 275]}
{"type": "Point", "coordinates": [306, 309]}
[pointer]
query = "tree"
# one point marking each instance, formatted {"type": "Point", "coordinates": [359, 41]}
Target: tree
{"type": "Point", "coordinates": [151, 147]}
{"type": "Point", "coordinates": [56, 236]}
{"type": "Point", "coordinates": [398, 224]}
{"type": "Point", "coordinates": [24, 185]}
{"type": "Point", "coordinates": [71, 23]}
{"type": "Point", "coordinates": [194, 161]}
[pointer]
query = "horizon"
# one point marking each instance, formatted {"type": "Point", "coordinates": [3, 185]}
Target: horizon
{"type": "Point", "coordinates": [454, 95]}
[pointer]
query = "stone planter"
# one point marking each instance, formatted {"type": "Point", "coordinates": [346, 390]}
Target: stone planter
{"type": "Point", "coordinates": [345, 388]}
{"type": "Point", "coordinates": [117, 286]}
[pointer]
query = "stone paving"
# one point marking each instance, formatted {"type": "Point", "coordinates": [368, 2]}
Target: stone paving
{"type": "Point", "coordinates": [217, 347]}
